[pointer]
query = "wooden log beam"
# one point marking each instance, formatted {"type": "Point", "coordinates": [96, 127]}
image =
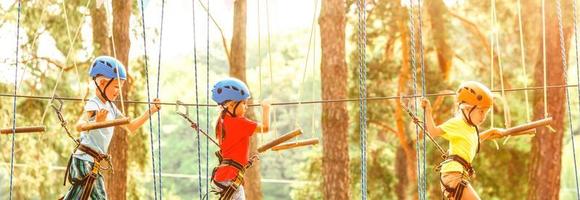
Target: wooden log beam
{"type": "Point", "coordinates": [105, 124]}
{"type": "Point", "coordinates": [525, 128]}
{"type": "Point", "coordinates": [279, 140]}
{"type": "Point", "coordinates": [291, 145]}
{"type": "Point", "coordinates": [29, 129]}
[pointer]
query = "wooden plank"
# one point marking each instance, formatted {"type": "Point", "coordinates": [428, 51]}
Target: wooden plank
{"type": "Point", "coordinates": [291, 145]}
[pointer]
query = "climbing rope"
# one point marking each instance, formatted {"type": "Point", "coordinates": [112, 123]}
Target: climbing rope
{"type": "Point", "coordinates": [70, 42]}
{"type": "Point", "coordinates": [274, 111]}
{"type": "Point", "coordinates": [420, 124]}
{"type": "Point", "coordinates": [565, 68]}
{"type": "Point", "coordinates": [287, 103]}
{"type": "Point", "coordinates": [268, 41]}
{"type": "Point", "coordinates": [423, 92]}
{"type": "Point", "coordinates": [492, 67]}
{"type": "Point", "coordinates": [310, 44]}
{"type": "Point", "coordinates": [523, 57]}
{"type": "Point", "coordinates": [578, 89]}
{"type": "Point", "coordinates": [361, 5]}
{"type": "Point", "coordinates": [197, 106]}
{"type": "Point", "coordinates": [157, 96]}
{"type": "Point", "coordinates": [414, 80]}
{"type": "Point", "coordinates": [313, 85]}
{"type": "Point", "coordinates": [544, 58]}
{"type": "Point", "coordinates": [500, 66]}
{"type": "Point", "coordinates": [148, 99]}
{"type": "Point", "coordinates": [261, 138]}
{"type": "Point", "coordinates": [207, 101]}
{"type": "Point", "coordinates": [14, 99]}
{"type": "Point", "coordinates": [113, 45]}
{"type": "Point", "coordinates": [313, 88]}
{"type": "Point", "coordinates": [61, 71]}
{"type": "Point", "coordinates": [576, 51]}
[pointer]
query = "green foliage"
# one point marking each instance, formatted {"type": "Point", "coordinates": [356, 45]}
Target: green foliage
{"type": "Point", "coordinates": [501, 173]}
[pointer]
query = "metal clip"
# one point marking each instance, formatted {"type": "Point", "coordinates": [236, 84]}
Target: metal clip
{"type": "Point", "coordinates": [57, 107]}
{"type": "Point", "coordinates": [185, 115]}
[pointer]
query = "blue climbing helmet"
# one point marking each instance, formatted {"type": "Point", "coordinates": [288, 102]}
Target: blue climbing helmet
{"type": "Point", "coordinates": [229, 89]}
{"type": "Point", "coordinates": [109, 67]}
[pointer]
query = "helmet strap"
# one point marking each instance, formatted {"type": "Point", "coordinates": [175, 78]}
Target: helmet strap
{"type": "Point", "coordinates": [468, 119]}
{"type": "Point", "coordinates": [468, 116]}
{"type": "Point", "coordinates": [236, 107]}
{"type": "Point", "coordinates": [478, 142]}
{"type": "Point", "coordinates": [221, 122]}
{"type": "Point", "coordinates": [226, 110]}
{"type": "Point", "coordinates": [104, 89]}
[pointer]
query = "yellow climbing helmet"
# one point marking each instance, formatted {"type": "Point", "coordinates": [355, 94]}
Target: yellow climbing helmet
{"type": "Point", "coordinates": [475, 94]}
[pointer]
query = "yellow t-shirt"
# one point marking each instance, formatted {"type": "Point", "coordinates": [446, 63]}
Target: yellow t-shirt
{"type": "Point", "coordinates": [462, 139]}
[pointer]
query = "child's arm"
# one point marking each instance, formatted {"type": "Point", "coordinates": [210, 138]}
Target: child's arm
{"type": "Point", "coordinates": [101, 116]}
{"type": "Point", "coordinates": [264, 127]}
{"type": "Point", "coordinates": [491, 134]}
{"type": "Point", "coordinates": [430, 123]}
{"type": "Point", "coordinates": [136, 123]}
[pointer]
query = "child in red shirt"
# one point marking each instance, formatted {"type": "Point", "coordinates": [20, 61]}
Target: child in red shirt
{"type": "Point", "coordinates": [233, 131]}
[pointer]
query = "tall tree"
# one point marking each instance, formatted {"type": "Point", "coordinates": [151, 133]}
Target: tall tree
{"type": "Point", "coordinates": [100, 30]}
{"type": "Point", "coordinates": [546, 165]}
{"type": "Point", "coordinates": [334, 75]}
{"type": "Point", "coordinates": [437, 11]}
{"type": "Point", "coordinates": [117, 183]}
{"type": "Point", "coordinates": [252, 185]}
{"type": "Point", "coordinates": [406, 143]}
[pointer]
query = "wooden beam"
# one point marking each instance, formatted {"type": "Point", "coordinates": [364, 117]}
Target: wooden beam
{"type": "Point", "coordinates": [105, 124]}
{"type": "Point", "coordinates": [525, 128]}
{"type": "Point", "coordinates": [291, 145]}
{"type": "Point", "coordinates": [279, 140]}
{"type": "Point", "coordinates": [29, 129]}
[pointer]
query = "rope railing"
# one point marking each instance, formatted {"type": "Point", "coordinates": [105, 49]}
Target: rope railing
{"type": "Point", "coordinates": [285, 103]}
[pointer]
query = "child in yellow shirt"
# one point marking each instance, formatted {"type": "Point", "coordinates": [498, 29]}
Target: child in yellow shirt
{"type": "Point", "coordinates": [474, 101]}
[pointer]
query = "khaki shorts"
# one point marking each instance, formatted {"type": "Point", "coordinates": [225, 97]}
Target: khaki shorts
{"type": "Point", "coordinates": [452, 180]}
{"type": "Point", "coordinates": [239, 195]}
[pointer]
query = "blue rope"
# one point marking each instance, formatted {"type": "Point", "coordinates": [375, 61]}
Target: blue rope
{"type": "Point", "coordinates": [565, 68]}
{"type": "Point", "coordinates": [578, 88]}
{"type": "Point", "coordinates": [197, 106]}
{"type": "Point", "coordinates": [149, 101]}
{"type": "Point", "coordinates": [207, 102]}
{"type": "Point", "coordinates": [14, 101]}
{"type": "Point", "coordinates": [362, 93]}
{"type": "Point", "coordinates": [414, 68]}
{"type": "Point", "coordinates": [423, 94]}
{"type": "Point", "coordinates": [159, 113]}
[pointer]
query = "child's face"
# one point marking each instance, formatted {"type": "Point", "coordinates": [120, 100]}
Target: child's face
{"type": "Point", "coordinates": [113, 89]}
{"type": "Point", "coordinates": [241, 109]}
{"type": "Point", "coordinates": [478, 115]}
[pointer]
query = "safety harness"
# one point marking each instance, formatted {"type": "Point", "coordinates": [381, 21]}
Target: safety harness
{"type": "Point", "coordinates": [457, 192]}
{"type": "Point", "coordinates": [227, 191]}
{"type": "Point", "coordinates": [88, 180]}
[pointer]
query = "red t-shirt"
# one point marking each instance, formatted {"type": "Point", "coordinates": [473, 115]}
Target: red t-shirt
{"type": "Point", "coordinates": [235, 145]}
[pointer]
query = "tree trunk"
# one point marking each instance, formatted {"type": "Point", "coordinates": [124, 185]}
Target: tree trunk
{"type": "Point", "coordinates": [401, 173]}
{"type": "Point", "coordinates": [437, 12]}
{"type": "Point", "coordinates": [117, 183]}
{"type": "Point", "coordinates": [334, 115]}
{"type": "Point", "coordinates": [546, 165]}
{"type": "Point", "coordinates": [404, 141]}
{"type": "Point", "coordinates": [252, 184]}
{"type": "Point", "coordinates": [101, 40]}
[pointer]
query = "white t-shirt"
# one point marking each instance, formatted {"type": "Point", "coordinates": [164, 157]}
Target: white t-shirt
{"type": "Point", "coordinates": [98, 139]}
